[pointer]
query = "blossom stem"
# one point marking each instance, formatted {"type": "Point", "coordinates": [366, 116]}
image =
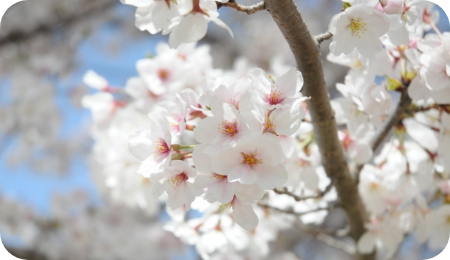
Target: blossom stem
{"type": "Point", "coordinates": [181, 156]}
{"type": "Point", "coordinates": [438, 32]}
{"type": "Point", "coordinates": [190, 127]}
{"type": "Point", "coordinates": [177, 147]}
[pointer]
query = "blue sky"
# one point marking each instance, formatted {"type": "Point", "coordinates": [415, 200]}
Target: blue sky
{"type": "Point", "coordinates": [22, 182]}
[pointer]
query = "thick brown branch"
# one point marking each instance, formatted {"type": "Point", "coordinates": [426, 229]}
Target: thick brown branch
{"type": "Point", "coordinates": [246, 9]}
{"type": "Point", "coordinates": [306, 50]}
{"type": "Point", "coordinates": [28, 254]}
{"type": "Point", "coordinates": [300, 198]}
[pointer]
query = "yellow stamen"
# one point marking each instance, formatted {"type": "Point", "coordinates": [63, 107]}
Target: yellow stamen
{"type": "Point", "coordinates": [176, 180]}
{"type": "Point", "coordinates": [357, 27]}
{"type": "Point", "coordinates": [250, 159]}
{"type": "Point", "coordinates": [228, 128]}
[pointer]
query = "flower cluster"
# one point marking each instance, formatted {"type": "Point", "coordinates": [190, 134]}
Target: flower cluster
{"type": "Point", "coordinates": [404, 187]}
{"type": "Point", "coordinates": [236, 153]}
{"type": "Point", "coordinates": [239, 148]}
{"type": "Point", "coordinates": [185, 20]}
{"type": "Point", "coordinates": [211, 146]}
{"type": "Point", "coordinates": [362, 25]}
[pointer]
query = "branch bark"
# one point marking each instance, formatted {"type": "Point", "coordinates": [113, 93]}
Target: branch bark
{"type": "Point", "coordinates": [324, 36]}
{"type": "Point", "coordinates": [306, 50]}
{"type": "Point", "coordinates": [293, 212]}
{"type": "Point", "coordinates": [300, 198]}
{"type": "Point", "coordinates": [246, 9]}
{"type": "Point", "coordinates": [28, 254]}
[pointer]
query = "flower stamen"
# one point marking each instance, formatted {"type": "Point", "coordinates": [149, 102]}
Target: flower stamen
{"type": "Point", "coordinates": [228, 128]}
{"type": "Point", "coordinates": [250, 159]}
{"type": "Point", "coordinates": [176, 180]}
{"type": "Point", "coordinates": [357, 27]}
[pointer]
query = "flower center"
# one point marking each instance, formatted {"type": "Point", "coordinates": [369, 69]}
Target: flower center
{"type": "Point", "coordinates": [161, 147]}
{"type": "Point", "coordinates": [197, 9]}
{"type": "Point", "coordinates": [275, 96]}
{"type": "Point", "coordinates": [357, 64]}
{"type": "Point", "coordinates": [174, 123]}
{"type": "Point", "coordinates": [347, 141]}
{"type": "Point", "coordinates": [228, 128]}
{"type": "Point", "coordinates": [228, 205]}
{"type": "Point", "coordinates": [176, 180]}
{"type": "Point", "coordinates": [218, 176]}
{"type": "Point", "coordinates": [374, 186]}
{"type": "Point", "coordinates": [269, 127]}
{"type": "Point", "coordinates": [163, 74]}
{"type": "Point", "coordinates": [234, 102]}
{"type": "Point", "coordinates": [357, 27]}
{"type": "Point", "coordinates": [250, 159]}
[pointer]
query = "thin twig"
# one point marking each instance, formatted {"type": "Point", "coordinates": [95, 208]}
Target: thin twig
{"type": "Point", "coordinates": [246, 9]}
{"type": "Point", "coordinates": [300, 198]}
{"type": "Point", "coordinates": [324, 36]}
{"type": "Point", "coordinates": [292, 212]}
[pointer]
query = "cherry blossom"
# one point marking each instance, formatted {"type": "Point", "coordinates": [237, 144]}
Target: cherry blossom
{"type": "Point", "coordinates": [223, 130]}
{"type": "Point", "coordinates": [152, 146]}
{"type": "Point", "coordinates": [249, 162]}
{"type": "Point", "coordinates": [359, 27]}
{"type": "Point", "coordinates": [193, 21]}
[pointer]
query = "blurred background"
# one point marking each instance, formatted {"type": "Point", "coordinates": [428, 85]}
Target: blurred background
{"type": "Point", "coordinates": [46, 46]}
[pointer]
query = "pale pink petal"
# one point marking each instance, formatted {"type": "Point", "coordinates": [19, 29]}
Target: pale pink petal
{"type": "Point", "coordinates": [269, 177]}
{"type": "Point", "coordinates": [360, 152]}
{"type": "Point", "coordinates": [288, 82]}
{"type": "Point", "coordinates": [244, 174]}
{"type": "Point", "coordinates": [244, 215]}
{"type": "Point", "coordinates": [287, 121]}
{"type": "Point", "coordinates": [207, 130]}
{"type": "Point", "coordinates": [224, 191]}
{"type": "Point", "coordinates": [268, 149]}
{"type": "Point", "coordinates": [201, 160]}
{"type": "Point", "coordinates": [366, 243]}
{"type": "Point", "coordinates": [224, 162]}
{"type": "Point", "coordinates": [249, 193]}
{"type": "Point", "coordinates": [140, 144]}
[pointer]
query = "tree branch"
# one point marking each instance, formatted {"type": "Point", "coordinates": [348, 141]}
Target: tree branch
{"type": "Point", "coordinates": [292, 212]}
{"type": "Point", "coordinates": [23, 253]}
{"type": "Point", "coordinates": [324, 36]}
{"type": "Point", "coordinates": [306, 50]}
{"type": "Point", "coordinates": [300, 198]}
{"type": "Point", "coordinates": [393, 119]}
{"type": "Point", "coordinates": [384, 131]}
{"type": "Point", "coordinates": [246, 9]}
